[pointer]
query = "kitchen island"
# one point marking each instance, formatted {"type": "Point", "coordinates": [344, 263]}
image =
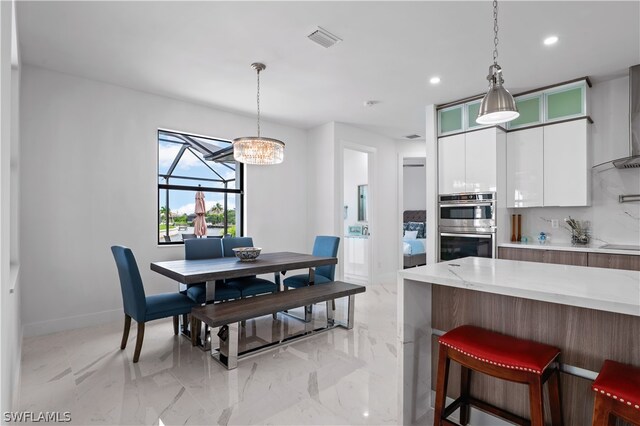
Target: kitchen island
{"type": "Point", "coordinates": [591, 314]}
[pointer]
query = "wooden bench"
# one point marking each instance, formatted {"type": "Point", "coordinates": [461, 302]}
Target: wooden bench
{"type": "Point", "coordinates": [228, 315]}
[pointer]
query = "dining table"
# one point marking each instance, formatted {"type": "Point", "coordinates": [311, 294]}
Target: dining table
{"type": "Point", "coordinates": [210, 270]}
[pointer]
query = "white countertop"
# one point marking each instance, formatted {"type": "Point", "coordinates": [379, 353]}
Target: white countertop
{"type": "Point", "coordinates": [591, 248]}
{"type": "Point", "coordinates": [612, 290]}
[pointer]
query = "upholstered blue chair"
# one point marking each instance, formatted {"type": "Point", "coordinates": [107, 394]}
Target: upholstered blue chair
{"type": "Point", "coordinates": [324, 246]}
{"type": "Point", "coordinates": [250, 285]}
{"type": "Point", "coordinates": [207, 248]}
{"type": "Point", "coordinates": [140, 307]}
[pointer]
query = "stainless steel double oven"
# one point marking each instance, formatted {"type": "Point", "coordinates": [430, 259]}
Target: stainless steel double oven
{"type": "Point", "coordinates": [467, 225]}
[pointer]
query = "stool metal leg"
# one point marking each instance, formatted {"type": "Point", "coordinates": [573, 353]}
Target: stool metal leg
{"type": "Point", "coordinates": [465, 382]}
{"type": "Point", "coordinates": [535, 401]}
{"type": "Point", "coordinates": [441, 385]}
{"type": "Point", "coordinates": [555, 403]}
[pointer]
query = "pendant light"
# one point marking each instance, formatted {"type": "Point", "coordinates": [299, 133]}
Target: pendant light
{"type": "Point", "coordinates": [256, 149]}
{"type": "Point", "coordinates": [498, 106]}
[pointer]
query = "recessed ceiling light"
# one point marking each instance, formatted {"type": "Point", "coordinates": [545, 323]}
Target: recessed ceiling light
{"type": "Point", "coordinates": [434, 80]}
{"type": "Point", "coordinates": [550, 40]}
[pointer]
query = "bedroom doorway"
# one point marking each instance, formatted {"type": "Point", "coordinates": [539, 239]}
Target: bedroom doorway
{"type": "Point", "coordinates": [356, 215]}
{"type": "Point", "coordinates": [414, 206]}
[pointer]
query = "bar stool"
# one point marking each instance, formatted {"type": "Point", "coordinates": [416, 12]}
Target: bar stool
{"type": "Point", "coordinates": [501, 356]}
{"type": "Point", "coordinates": [617, 390]}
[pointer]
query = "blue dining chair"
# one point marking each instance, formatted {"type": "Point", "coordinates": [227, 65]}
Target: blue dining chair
{"type": "Point", "coordinates": [140, 307]}
{"type": "Point", "coordinates": [324, 246]}
{"type": "Point", "coordinates": [249, 285]}
{"type": "Point", "coordinates": [207, 248]}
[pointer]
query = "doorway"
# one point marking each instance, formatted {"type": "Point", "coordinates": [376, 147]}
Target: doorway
{"type": "Point", "coordinates": [414, 211]}
{"type": "Point", "coordinates": [356, 215]}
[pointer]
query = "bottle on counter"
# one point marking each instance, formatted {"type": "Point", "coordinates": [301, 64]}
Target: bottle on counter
{"type": "Point", "coordinates": [513, 228]}
{"type": "Point", "coordinates": [519, 236]}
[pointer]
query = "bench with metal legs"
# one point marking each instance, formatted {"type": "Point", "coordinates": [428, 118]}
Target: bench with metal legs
{"type": "Point", "coordinates": [228, 316]}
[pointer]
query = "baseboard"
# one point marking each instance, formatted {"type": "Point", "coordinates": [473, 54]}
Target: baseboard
{"type": "Point", "coordinates": [70, 323]}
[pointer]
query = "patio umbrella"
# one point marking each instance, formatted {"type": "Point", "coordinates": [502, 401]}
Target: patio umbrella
{"type": "Point", "coordinates": [199, 224]}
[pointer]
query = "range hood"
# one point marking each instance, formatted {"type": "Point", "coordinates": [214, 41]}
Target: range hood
{"type": "Point", "coordinates": [633, 160]}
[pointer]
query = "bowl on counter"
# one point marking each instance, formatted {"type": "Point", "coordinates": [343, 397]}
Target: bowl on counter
{"type": "Point", "coordinates": [247, 254]}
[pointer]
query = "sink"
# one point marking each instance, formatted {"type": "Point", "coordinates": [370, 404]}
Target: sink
{"type": "Point", "coordinates": [621, 247]}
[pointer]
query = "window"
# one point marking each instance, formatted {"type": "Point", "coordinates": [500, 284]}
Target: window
{"type": "Point", "coordinates": [187, 164]}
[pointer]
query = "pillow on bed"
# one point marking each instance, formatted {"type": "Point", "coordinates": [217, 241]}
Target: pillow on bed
{"type": "Point", "coordinates": [417, 226]}
{"type": "Point", "coordinates": [410, 235]}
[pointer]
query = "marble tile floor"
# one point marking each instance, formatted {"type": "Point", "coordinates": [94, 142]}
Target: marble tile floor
{"type": "Point", "coordinates": [336, 377]}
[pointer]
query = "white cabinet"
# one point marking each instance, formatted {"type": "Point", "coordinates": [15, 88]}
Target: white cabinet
{"type": "Point", "coordinates": [356, 258]}
{"type": "Point", "coordinates": [480, 161]}
{"type": "Point", "coordinates": [525, 156]}
{"type": "Point", "coordinates": [451, 164]}
{"type": "Point", "coordinates": [567, 177]}
{"type": "Point", "coordinates": [467, 162]}
{"type": "Point", "coordinates": [549, 166]}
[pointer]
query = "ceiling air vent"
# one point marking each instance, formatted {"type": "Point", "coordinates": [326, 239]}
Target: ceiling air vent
{"type": "Point", "coordinates": [414, 136]}
{"type": "Point", "coordinates": [324, 38]}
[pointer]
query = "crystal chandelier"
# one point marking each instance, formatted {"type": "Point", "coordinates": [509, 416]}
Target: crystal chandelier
{"type": "Point", "coordinates": [498, 106]}
{"type": "Point", "coordinates": [256, 149]}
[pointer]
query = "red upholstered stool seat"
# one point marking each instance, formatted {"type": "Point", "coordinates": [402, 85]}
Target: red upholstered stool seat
{"type": "Point", "coordinates": [617, 393]}
{"type": "Point", "coordinates": [501, 356]}
{"type": "Point", "coordinates": [499, 349]}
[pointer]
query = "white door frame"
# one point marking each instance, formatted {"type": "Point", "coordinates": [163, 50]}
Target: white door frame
{"type": "Point", "coordinates": [401, 157]}
{"type": "Point", "coordinates": [371, 200]}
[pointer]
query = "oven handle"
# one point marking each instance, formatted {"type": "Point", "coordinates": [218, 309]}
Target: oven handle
{"type": "Point", "coordinates": [468, 205]}
{"type": "Point", "coordinates": [448, 234]}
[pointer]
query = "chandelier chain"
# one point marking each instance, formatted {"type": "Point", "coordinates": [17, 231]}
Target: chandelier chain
{"type": "Point", "coordinates": [258, 101]}
{"type": "Point", "coordinates": [495, 32]}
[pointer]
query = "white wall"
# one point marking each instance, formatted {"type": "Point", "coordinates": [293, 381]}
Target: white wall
{"type": "Point", "coordinates": [88, 175]}
{"type": "Point", "coordinates": [321, 173]}
{"type": "Point", "coordinates": [11, 327]}
{"type": "Point", "coordinates": [355, 172]}
{"type": "Point", "coordinates": [414, 184]}
{"type": "Point", "coordinates": [383, 197]}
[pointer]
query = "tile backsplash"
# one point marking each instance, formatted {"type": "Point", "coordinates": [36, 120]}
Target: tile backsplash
{"type": "Point", "coordinates": [611, 222]}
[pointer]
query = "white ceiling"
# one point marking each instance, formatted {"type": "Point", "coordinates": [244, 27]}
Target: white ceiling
{"type": "Point", "coordinates": [201, 51]}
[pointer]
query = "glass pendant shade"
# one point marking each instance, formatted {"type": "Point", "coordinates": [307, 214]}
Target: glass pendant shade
{"type": "Point", "coordinates": [258, 150]}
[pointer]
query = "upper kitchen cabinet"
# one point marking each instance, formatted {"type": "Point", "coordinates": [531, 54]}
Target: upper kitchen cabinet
{"type": "Point", "coordinates": [480, 161]}
{"type": "Point", "coordinates": [451, 164]}
{"type": "Point", "coordinates": [525, 157]}
{"type": "Point", "coordinates": [468, 162]}
{"type": "Point", "coordinates": [567, 165]}
{"type": "Point", "coordinates": [451, 120]}
{"type": "Point", "coordinates": [567, 101]}
{"type": "Point", "coordinates": [549, 165]}
{"type": "Point", "coordinates": [530, 109]}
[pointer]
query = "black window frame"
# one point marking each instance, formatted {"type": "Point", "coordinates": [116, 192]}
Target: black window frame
{"type": "Point", "coordinates": [210, 155]}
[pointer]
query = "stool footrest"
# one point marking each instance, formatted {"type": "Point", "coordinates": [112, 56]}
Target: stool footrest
{"type": "Point", "coordinates": [492, 409]}
{"type": "Point", "coordinates": [485, 407]}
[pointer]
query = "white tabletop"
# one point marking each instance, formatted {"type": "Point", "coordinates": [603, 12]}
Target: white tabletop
{"type": "Point", "coordinates": [612, 290]}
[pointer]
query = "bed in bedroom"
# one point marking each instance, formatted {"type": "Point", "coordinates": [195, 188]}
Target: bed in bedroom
{"type": "Point", "coordinates": [413, 240]}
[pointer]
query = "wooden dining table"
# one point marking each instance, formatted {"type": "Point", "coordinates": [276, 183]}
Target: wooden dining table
{"type": "Point", "coordinates": [210, 270]}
